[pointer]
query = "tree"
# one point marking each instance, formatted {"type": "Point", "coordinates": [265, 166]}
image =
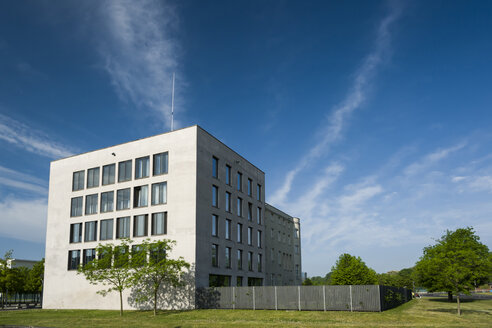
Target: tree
{"type": "Point", "coordinates": [307, 282]}
{"type": "Point", "coordinates": [351, 270]}
{"type": "Point", "coordinates": [158, 270]}
{"type": "Point", "coordinates": [4, 269]}
{"type": "Point", "coordinates": [454, 264]}
{"type": "Point", "coordinates": [112, 268]}
{"type": "Point", "coordinates": [35, 278]}
{"type": "Point", "coordinates": [402, 278]}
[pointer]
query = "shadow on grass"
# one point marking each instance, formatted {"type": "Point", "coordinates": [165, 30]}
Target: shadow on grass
{"type": "Point", "coordinates": [455, 311]}
{"type": "Point", "coordinates": [445, 300]}
{"type": "Point", "coordinates": [162, 313]}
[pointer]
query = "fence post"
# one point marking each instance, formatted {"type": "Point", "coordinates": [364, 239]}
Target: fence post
{"type": "Point", "coordinates": [233, 298]}
{"type": "Point", "coordinates": [276, 305]}
{"type": "Point", "coordinates": [350, 291]}
{"type": "Point", "coordinates": [379, 295]}
{"type": "Point", "coordinates": [299, 296]}
{"type": "Point", "coordinates": [254, 305]}
{"type": "Point", "coordinates": [324, 298]}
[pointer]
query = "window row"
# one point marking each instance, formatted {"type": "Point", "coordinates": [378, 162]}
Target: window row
{"type": "Point", "coordinates": [239, 205]}
{"type": "Point", "coordinates": [239, 231]}
{"type": "Point", "coordinates": [239, 259]}
{"type": "Point", "coordinates": [140, 199]}
{"type": "Point", "coordinates": [239, 179]}
{"type": "Point", "coordinates": [142, 170]}
{"type": "Point", "coordinates": [122, 230]}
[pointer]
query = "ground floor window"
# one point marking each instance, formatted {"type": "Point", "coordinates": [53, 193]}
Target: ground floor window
{"type": "Point", "coordinates": [239, 281]}
{"type": "Point", "coordinates": [73, 260]}
{"type": "Point", "coordinates": [255, 281]}
{"type": "Point", "coordinates": [217, 280]}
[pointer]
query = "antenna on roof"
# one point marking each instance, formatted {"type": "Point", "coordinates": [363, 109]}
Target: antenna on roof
{"type": "Point", "coordinates": [172, 107]}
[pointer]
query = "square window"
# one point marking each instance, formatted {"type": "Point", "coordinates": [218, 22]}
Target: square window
{"type": "Point", "coordinates": [159, 193]}
{"type": "Point", "coordinates": [123, 227]}
{"type": "Point", "coordinates": [90, 231]}
{"type": "Point", "coordinates": [160, 163]}
{"type": "Point", "coordinates": [91, 204]}
{"type": "Point", "coordinates": [123, 199]}
{"type": "Point", "coordinates": [89, 255]}
{"type": "Point", "coordinates": [93, 177]}
{"type": "Point", "coordinates": [142, 167]}
{"type": "Point", "coordinates": [140, 196]}
{"type": "Point", "coordinates": [78, 180]}
{"type": "Point", "coordinates": [76, 207]}
{"type": "Point", "coordinates": [108, 174]}
{"type": "Point", "coordinates": [107, 201]}
{"type": "Point", "coordinates": [140, 225]}
{"type": "Point", "coordinates": [159, 223]}
{"type": "Point", "coordinates": [106, 229]}
{"type": "Point", "coordinates": [125, 171]}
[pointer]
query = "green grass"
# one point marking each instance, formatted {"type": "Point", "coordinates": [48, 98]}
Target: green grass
{"type": "Point", "coordinates": [417, 313]}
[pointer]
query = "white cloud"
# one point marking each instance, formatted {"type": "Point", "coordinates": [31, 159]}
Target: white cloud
{"type": "Point", "coordinates": [432, 159]}
{"type": "Point", "coordinates": [24, 219]}
{"type": "Point", "coordinates": [140, 54]}
{"type": "Point", "coordinates": [30, 139]}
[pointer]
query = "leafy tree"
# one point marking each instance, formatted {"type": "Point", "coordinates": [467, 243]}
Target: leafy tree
{"type": "Point", "coordinates": [3, 271]}
{"type": "Point", "coordinates": [112, 268]}
{"type": "Point", "coordinates": [158, 270]}
{"type": "Point", "coordinates": [455, 263]}
{"type": "Point", "coordinates": [351, 270]}
{"type": "Point", "coordinates": [402, 278]}
{"type": "Point", "coordinates": [35, 278]}
{"type": "Point", "coordinates": [307, 282]}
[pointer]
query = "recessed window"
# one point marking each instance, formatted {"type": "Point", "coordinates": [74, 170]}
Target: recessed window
{"type": "Point", "coordinates": [159, 223]}
{"type": "Point", "coordinates": [215, 167]}
{"type": "Point", "coordinates": [227, 229]}
{"type": "Point", "coordinates": [296, 248]}
{"type": "Point", "coordinates": [239, 233]}
{"type": "Point", "coordinates": [215, 225]}
{"type": "Point", "coordinates": [140, 225]}
{"type": "Point", "coordinates": [258, 215]}
{"type": "Point", "coordinates": [258, 237]}
{"type": "Point", "coordinates": [73, 260]}
{"type": "Point", "coordinates": [108, 174]}
{"type": "Point", "coordinates": [250, 261]}
{"type": "Point", "coordinates": [215, 196]}
{"type": "Point", "coordinates": [78, 180]}
{"type": "Point", "coordinates": [106, 232]}
{"type": "Point", "coordinates": [250, 187]}
{"type": "Point", "coordinates": [139, 257]}
{"type": "Point", "coordinates": [239, 281]}
{"type": "Point", "coordinates": [228, 175]}
{"type": "Point", "coordinates": [239, 207]}
{"type": "Point", "coordinates": [107, 201]}
{"type": "Point", "coordinates": [250, 236]}
{"type": "Point", "coordinates": [142, 167]}
{"type": "Point", "coordinates": [228, 257]}
{"type": "Point", "coordinates": [76, 207]}
{"type": "Point", "coordinates": [157, 254]}
{"type": "Point", "coordinates": [239, 259]}
{"type": "Point", "coordinates": [258, 192]}
{"type": "Point", "coordinates": [76, 233]}
{"type": "Point", "coordinates": [125, 171]}
{"type": "Point", "coordinates": [123, 227]}
{"type": "Point", "coordinates": [93, 177]}
{"type": "Point", "coordinates": [140, 196]}
{"type": "Point", "coordinates": [89, 255]}
{"type": "Point", "coordinates": [239, 181]}
{"type": "Point", "coordinates": [123, 199]}
{"type": "Point", "coordinates": [228, 201]}
{"type": "Point", "coordinates": [91, 204]}
{"type": "Point", "coordinates": [160, 163]}
{"type": "Point", "coordinates": [258, 262]}
{"type": "Point", "coordinates": [159, 193]}
{"type": "Point", "coordinates": [215, 257]}
{"type": "Point", "coordinates": [121, 256]}
{"type": "Point", "coordinates": [250, 212]}
{"type": "Point", "coordinates": [90, 231]}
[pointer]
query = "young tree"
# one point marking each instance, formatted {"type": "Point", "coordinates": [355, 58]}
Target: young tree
{"type": "Point", "coordinates": [454, 264]}
{"type": "Point", "coordinates": [351, 270]}
{"type": "Point", "coordinates": [112, 268]}
{"type": "Point", "coordinates": [158, 270]}
{"type": "Point", "coordinates": [3, 273]}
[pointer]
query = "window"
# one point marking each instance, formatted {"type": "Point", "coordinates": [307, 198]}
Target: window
{"type": "Point", "coordinates": [159, 223]}
{"type": "Point", "coordinates": [91, 204]}
{"type": "Point", "coordinates": [297, 233]}
{"type": "Point", "coordinates": [250, 261]}
{"type": "Point", "coordinates": [279, 258]}
{"type": "Point", "coordinates": [239, 233]}
{"type": "Point", "coordinates": [140, 225]}
{"type": "Point", "coordinates": [227, 229]}
{"type": "Point", "coordinates": [139, 257]}
{"type": "Point", "coordinates": [228, 257]}
{"type": "Point", "coordinates": [215, 258]}
{"type": "Point", "coordinates": [73, 260]}
{"type": "Point", "coordinates": [90, 231]}
{"type": "Point", "coordinates": [272, 254]}
{"type": "Point", "coordinates": [125, 171]}
{"type": "Point", "coordinates": [239, 281]}
{"type": "Point", "coordinates": [78, 180]}
{"type": "Point", "coordinates": [250, 236]}
{"type": "Point", "coordinates": [296, 247]}
{"type": "Point", "coordinates": [279, 237]}
{"type": "Point", "coordinates": [215, 225]}
{"type": "Point", "coordinates": [250, 212]}
{"type": "Point", "coordinates": [123, 227]}
{"type": "Point", "coordinates": [121, 256]}
{"type": "Point", "coordinates": [157, 254]}
{"type": "Point", "coordinates": [159, 193]}
{"type": "Point", "coordinates": [228, 175]}
{"type": "Point", "coordinates": [297, 271]}
{"type": "Point", "coordinates": [228, 201]}
{"type": "Point", "coordinates": [76, 207]}
{"type": "Point", "coordinates": [108, 174]}
{"type": "Point", "coordinates": [107, 200]}
{"type": "Point", "coordinates": [258, 192]}
{"type": "Point", "coordinates": [215, 196]}
{"type": "Point", "coordinates": [160, 163]}
{"type": "Point", "coordinates": [123, 199]}
{"type": "Point", "coordinates": [258, 215]}
{"type": "Point", "coordinates": [215, 167]}
{"type": "Point", "coordinates": [76, 233]}
{"type": "Point", "coordinates": [239, 181]}
{"type": "Point", "coordinates": [239, 207]}
{"type": "Point", "coordinates": [258, 237]}
{"type": "Point", "coordinates": [106, 229]}
{"type": "Point", "coordinates": [140, 196]}
{"type": "Point", "coordinates": [271, 233]}
{"type": "Point", "coordinates": [258, 264]}
{"type": "Point", "coordinates": [142, 167]}
{"type": "Point", "coordinates": [89, 255]}
{"type": "Point", "coordinates": [239, 259]}
{"type": "Point", "coordinates": [250, 187]}
{"type": "Point", "coordinates": [93, 177]}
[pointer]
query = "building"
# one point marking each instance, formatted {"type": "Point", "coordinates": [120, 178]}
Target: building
{"type": "Point", "coordinates": [17, 263]}
{"type": "Point", "coordinates": [183, 185]}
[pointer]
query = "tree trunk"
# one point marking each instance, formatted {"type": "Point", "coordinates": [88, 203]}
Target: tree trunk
{"type": "Point", "coordinates": [155, 301]}
{"type": "Point", "coordinates": [450, 296]}
{"type": "Point", "coordinates": [458, 300]}
{"type": "Point", "coordinates": [121, 303]}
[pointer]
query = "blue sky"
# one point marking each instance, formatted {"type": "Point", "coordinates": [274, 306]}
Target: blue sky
{"type": "Point", "coordinates": [371, 119]}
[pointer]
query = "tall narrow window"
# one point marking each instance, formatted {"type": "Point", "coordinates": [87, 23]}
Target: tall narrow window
{"type": "Point", "coordinates": [90, 231]}
{"type": "Point", "coordinates": [250, 261]}
{"type": "Point", "coordinates": [91, 204]}
{"type": "Point", "coordinates": [250, 187]}
{"type": "Point", "coordinates": [140, 196]}
{"type": "Point", "coordinates": [215, 167]}
{"type": "Point", "coordinates": [228, 175]}
{"type": "Point", "coordinates": [215, 257]}
{"type": "Point", "coordinates": [239, 181]}
{"type": "Point", "coordinates": [227, 229]}
{"type": "Point", "coordinates": [78, 180]}
{"type": "Point", "coordinates": [160, 163]}
{"type": "Point", "coordinates": [123, 199]}
{"type": "Point", "coordinates": [250, 236]}
{"type": "Point", "coordinates": [89, 255]}
{"type": "Point", "coordinates": [93, 177]}
{"type": "Point", "coordinates": [239, 207]}
{"type": "Point", "coordinates": [76, 233]}
{"type": "Point", "coordinates": [125, 171]}
{"type": "Point", "coordinates": [107, 200]}
{"type": "Point", "coordinates": [239, 233]}
{"type": "Point", "coordinates": [250, 212]}
{"type": "Point", "coordinates": [159, 193]}
{"type": "Point", "coordinates": [73, 260]}
{"type": "Point", "coordinates": [106, 228]}
{"type": "Point", "coordinates": [258, 237]}
{"type": "Point", "coordinates": [228, 257]}
{"type": "Point", "coordinates": [258, 192]}
{"type": "Point", "coordinates": [215, 225]}
{"type": "Point", "coordinates": [215, 196]}
{"type": "Point", "coordinates": [239, 259]}
{"type": "Point", "coordinates": [258, 264]}
{"type": "Point", "coordinates": [123, 227]}
{"type": "Point", "coordinates": [159, 223]}
{"type": "Point", "coordinates": [228, 201]}
{"type": "Point", "coordinates": [108, 174]}
{"type": "Point", "coordinates": [76, 207]}
{"type": "Point", "coordinates": [140, 225]}
{"type": "Point", "coordinates": [258, 215]}
{"type": "Point", "coordinates": [142, 167]}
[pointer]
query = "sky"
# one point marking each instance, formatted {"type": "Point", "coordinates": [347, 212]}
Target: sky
{"type": "Point", "coordinates": [371, 119]}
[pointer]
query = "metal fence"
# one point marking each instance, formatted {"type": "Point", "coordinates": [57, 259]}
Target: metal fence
{"type": "Point", "coordinates": [364, 298]}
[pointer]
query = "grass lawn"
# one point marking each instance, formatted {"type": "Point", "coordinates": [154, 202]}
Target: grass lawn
{"type": "Point", "coordinates": [425, 312]}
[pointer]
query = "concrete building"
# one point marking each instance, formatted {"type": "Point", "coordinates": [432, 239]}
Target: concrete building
{"type": "Point", "coordinates": [183, 185]}
{"type": "Point", "coordinates": [17, 263]}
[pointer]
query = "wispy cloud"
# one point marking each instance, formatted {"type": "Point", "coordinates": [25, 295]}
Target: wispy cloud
{"type": "Point", "coordinates": [140, 53]}
{"type": "Point", "coordinates": [30, 139]}
{"type": "Point", "coordinates": [18, 180]}
{"type": "Point", "coordinates": [353, 100]}
{"type": "Point", "coordinates": [24, 219]}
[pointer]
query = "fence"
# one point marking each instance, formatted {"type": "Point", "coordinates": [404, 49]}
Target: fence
{"type": "Point", "coordinates": [19, 298]}
{"type": "Point", "coordinates": [365, 298]}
